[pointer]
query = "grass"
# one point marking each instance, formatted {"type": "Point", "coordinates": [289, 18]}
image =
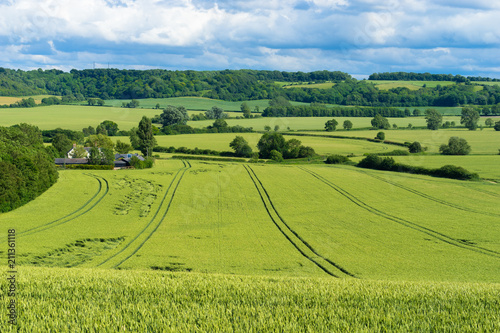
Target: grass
{"type": "Point", "coordinates": [79, 300]}
{"type": "Point", "coordinates": [194, 103]}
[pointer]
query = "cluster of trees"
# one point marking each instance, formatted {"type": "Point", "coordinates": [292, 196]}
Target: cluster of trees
{"type": "Point", "coordinates": [321, 110]}
{"type": "Point", "coordinates": [30, 102]}
{"type": "Point", "coordinates": [26, 167]}
{"type": "Point", "coordinates": [274, 146]}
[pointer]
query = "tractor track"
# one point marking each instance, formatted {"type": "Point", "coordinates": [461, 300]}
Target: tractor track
{"type": "Point", "coordinates": [435, 234]}
{"type": "Point", "coordinates": [67, 218]}
{"type": "Point", "coordinates": [295, 239]}
{"type": "Point", "coordinates": [152, 219]}
{"type": "Point", "coordinates": [426, 196]}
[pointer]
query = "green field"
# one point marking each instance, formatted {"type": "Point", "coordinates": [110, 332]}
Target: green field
{"type": "Point", "coordinates": [192, 103]}
{"type": "Point", "coordinates": [82, 300]}
{"type": "Point", "coordinates": [482, 142]}
{"type": "Point", "coordinates": [412, 85]}
{"type": "Point", "coordinates": [220, 142]}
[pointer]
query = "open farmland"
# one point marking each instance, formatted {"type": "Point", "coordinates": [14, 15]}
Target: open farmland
{"type": "Point", "coordinates": [485, 142]}
{"type": "Point", "coordinates": [233, 218]}
{"type": "Point", "coordinates": [220, 142]}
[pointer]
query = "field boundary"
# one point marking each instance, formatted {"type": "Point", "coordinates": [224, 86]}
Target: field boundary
{"type": "Point", "coordinates": [293, 237]}
{"type": "Point", "coordinates": [435, 234]}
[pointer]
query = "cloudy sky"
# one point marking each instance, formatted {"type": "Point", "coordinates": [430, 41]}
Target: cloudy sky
{"type": "Point", "coordinates": [356, 36]}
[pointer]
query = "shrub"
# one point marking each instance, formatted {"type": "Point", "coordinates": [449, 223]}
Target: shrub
{"type": "Point", "coordinates": [380, 136]}
{"type": "Point", "coordinates": [455, 172]}
{"type": "Point", "coordinates": [337, 159]}
{"type": "Point", "coordinates": [415, 147]}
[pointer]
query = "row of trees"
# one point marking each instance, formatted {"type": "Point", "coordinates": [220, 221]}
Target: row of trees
{"type": "Point", "coordinates": [235, 85]}
{"type": "Point", "coordinates": [26, 167]}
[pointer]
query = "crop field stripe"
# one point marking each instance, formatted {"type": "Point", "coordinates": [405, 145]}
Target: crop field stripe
{"type": "Point", "coordinates": [299, 240]}
{"type": "Point", "coordinates": [426, 196]}
{"type": "Point", "coordinates": [440, 236]}
{"type": "Point", "coordinates": [54, 223]}
{"type": "Point", "coordinates": [149, 223]}
{"type": "Point", "coordinates": [162, 218]}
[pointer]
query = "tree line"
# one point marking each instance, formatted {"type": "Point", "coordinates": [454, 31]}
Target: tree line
{"type": "Point", "coordinates": [405, 76]}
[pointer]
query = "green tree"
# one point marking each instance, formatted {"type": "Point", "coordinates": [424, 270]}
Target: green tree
{"type": "Point", "coordinates": [62, 144]}
{"type": "Point", "coordinates": [489, 122]}
{"type": "Point", "coordinates": [276, 128]}
{"type": "Point", "coordinates": [347, 124]}
{"type": "Point", "coordinates": [331, 125]}
{"type": "Point", "coordinates": [146, 139]}
{"type": "Point", "coordinates": [269, 142]}
{"type": "Point", "coordinates": [276, 156]}
{"type": "Point", "coordinates": [415, 147]}
{"type": "Point", "coordinates": [110, 126]}
{"type": "Point", "coordinates": [416, 113]}
{"type": "Point", "coordinates": [134, 138]}
{"type": "Point", "coordinates": [241, 147]}
{"type": "Point", "coordinates": [95, 156]}
{"type": "Point", "coordinates": [247, 113]}
{"type": "Point", "coordinates": [469, 118]}
{"type": "Point", "coordinates": [79, 152]}
{"type": "Point", "coordinates": [173, 115]}
{"type": "Point", "coordinates": [122, 147]}
{"type": "Point", "coordinates": [497, 126]}
{"type": "Point", "coordinates": [455, 146]}
{"type": "Point", "coordinates": [380, 122]}
{"type": "Point", "coordinates": [267, 128]}
{"type": "Point", "coordinates": [100, 141]}
{"type": "Point", "coordinates": [220, 125]}
{"type": "Point", "coordinates": [101, 129]}
{"type": "Point", "coordinates": [100, 102]}
{"type": "Point", "coordinates": [215, 113]}
{"type": "Point", "coordinates": [88, 131]}
{"type": "Point", "coordinates": [380, 136]}
{"type": "Point", "coordinates": [433, 118]}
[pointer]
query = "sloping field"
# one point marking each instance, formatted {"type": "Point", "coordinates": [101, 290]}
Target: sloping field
{"type": "Point", "coordinates": [264, 220]}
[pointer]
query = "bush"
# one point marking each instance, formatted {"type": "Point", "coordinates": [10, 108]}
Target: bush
{"type": "Point", "coordinates": [380, 136]}
{"type": "Point", "coordinates": [396, 152]}
{"type": "Point", "coordinates": [415, 147]}
{"type": "Point", "coordinates": [337, 159]}
{"type": "Point", "coordinates": [455, 172]}
{"type": "Point", "coordinates": [138, 164]}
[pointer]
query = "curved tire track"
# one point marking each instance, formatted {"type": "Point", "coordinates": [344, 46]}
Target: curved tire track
{"type": "Point", "coordinates": [426, 196]}
{"type": "Point", "coordinates": [142, 232]}
{"type": "Point", "coordinates": [295, 239]}
{"type": "Point", "coordinates": [67, 218]}
{"type": "Point", "coordinates": [435, 234]}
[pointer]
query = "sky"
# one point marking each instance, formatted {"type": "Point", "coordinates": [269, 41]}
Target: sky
{"type": "Point", "coordinates": [359, 37]}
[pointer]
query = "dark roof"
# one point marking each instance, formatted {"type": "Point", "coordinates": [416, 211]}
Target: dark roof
{"type": "Point", "coordinates": [62, 161]}
{"type": "Point", "coordinates": [120, 164]}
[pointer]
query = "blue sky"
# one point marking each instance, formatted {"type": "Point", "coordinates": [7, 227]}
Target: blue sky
{"type": "Point", "coordinates": [359, 37]}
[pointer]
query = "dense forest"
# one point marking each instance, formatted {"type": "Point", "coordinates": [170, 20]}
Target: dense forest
{"type": "Point", "coordinates": [405, 76]}
{"type": "Point", "coordinates": [240, 85]}
{"type": "Point", "coordinates": [26, 168]}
